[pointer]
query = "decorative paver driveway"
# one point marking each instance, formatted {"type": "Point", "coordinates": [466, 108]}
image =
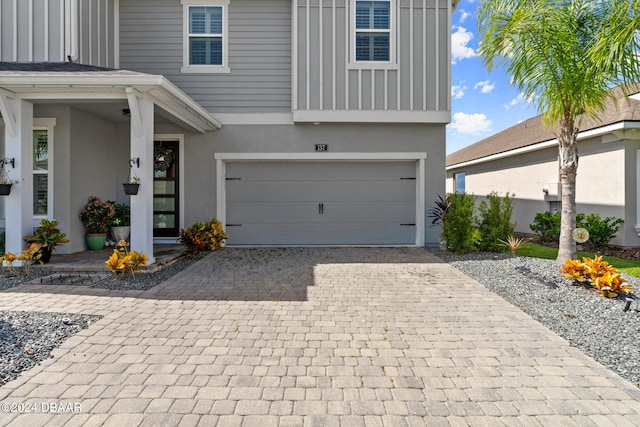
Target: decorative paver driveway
{"type": "Point", "coordinates": [311, 337]}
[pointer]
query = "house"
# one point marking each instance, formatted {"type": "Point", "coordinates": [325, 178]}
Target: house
{"type": "Point", "coordinates": [294, 122]}
{"type": "Point", "coordinates": [523, 160]}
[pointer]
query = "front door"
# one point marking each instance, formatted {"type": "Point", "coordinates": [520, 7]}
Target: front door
{"type": "Point", "coordinates": [165, 189]}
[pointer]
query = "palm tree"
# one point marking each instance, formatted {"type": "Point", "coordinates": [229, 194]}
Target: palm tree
{"type": "Point", "coordinates": [565, 56]}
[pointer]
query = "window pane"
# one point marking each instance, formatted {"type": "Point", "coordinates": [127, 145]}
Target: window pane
{"type": "Point", "coordinates": [459, 182]}
{"type": "Point", "coordinates": [373, 15]}
{"type": "Point", "coordinates": [164, 221]}
{"type": "Point", "coordinates": [40, 150]}
{"type": "Point", "coordinates": [40, 193]}
{"type": "Point", "coordinates": [205, 50]}
{"type": "Point", "coordinates": [164, 204]}
{"type": "Point", "coordinates": [164, 187]}
{"type": "Point", "coordinates": [372, 47]}
{"type": "Point", "coordinates": [205, 20]}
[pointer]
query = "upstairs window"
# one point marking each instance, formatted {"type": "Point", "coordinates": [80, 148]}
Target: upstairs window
{"type": "Point", "coordinates": [373, 31]}
{"type": "Point", "coordinates": [205, 43]}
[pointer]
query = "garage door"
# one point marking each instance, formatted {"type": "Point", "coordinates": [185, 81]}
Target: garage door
{"type": "Point", "coordinates": [321, 203]}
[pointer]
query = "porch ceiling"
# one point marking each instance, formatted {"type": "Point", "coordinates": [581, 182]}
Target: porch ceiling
{"type": "Point", "coordinates": [75, 83]}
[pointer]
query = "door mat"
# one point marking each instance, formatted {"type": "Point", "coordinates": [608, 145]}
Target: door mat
{"type": "Point", "coordinates": [74, 279]}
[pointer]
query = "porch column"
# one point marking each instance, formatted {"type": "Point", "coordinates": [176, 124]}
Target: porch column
{"type": "Point", "coordinates": [142, 148]}
{"type": "Point", "coordinates": [18, 117]}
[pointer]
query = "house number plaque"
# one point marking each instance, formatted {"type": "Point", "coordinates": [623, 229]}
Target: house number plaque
{"type": "Point", "coordinates": [322, 147]}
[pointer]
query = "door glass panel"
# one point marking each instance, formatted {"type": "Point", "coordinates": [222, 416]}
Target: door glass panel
{"type": "Point", "coordinates": [164, 204]}
{"type": "Point", "coordinates": [164, 187]}
{"type": "Point", "coordinates": [164, 221]}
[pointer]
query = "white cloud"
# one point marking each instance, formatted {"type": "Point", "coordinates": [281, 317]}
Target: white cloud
{"type": "Point", "coordinates": [463, 15]}
{"type": "Point", "coordinates": [459, 41]}
{"type": "Point", "coordinates": [457, 91]}
{"type": "Point", "coordinates": [520, 99]}
{"type": "Point", "coordinates": [485, 86]}
{"type": "Point", "coordinates": [472, 124]}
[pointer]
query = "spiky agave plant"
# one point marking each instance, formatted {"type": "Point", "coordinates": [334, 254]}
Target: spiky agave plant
{"type": "Point", "coordinates": [514, 243]}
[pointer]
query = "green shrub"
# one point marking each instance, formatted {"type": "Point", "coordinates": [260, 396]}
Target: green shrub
{"type": "Point", "coordinates": [547, 226]}
{"type": "Point", "coordinates": [202, 236]}
{"type": "Point", "coordinates": [601, 231]}
{"type": "Point", "coordinates": [495, 224]}
{"type": "Point", "coordinates": [457, 229]}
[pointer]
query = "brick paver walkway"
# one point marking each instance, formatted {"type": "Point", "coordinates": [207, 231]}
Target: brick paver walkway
{"type": "Point", "coordinates": [311, 337]}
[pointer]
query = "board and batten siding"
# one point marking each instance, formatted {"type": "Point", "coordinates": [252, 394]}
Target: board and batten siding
{"type": "Point", "coordinates": [151, 40]}
{"type": "Point", "coordinates": [53, 30]}
{"type": "Point", "coordinates": [325, 81]}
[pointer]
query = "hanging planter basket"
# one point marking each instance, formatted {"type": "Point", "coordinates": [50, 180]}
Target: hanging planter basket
{"type": "Point", "coordinates": [131, 189]}
{"type": "Point", "coordinates": [5, 189]}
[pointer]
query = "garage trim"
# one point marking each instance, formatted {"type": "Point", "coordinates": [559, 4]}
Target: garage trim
{"type": "Point", "coordinates": [419, 157]}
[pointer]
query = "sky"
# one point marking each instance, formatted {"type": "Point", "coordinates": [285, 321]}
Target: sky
{"type": "Point", "coordinates": [482, 103]}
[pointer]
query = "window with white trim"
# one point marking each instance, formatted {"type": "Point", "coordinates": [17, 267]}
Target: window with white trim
{"type": "Point", "coordinates": [42, 169]}
{"type": "Point", "coordinates": [205, 36]}
{"type": "Point", "coordinates": [373, 30]}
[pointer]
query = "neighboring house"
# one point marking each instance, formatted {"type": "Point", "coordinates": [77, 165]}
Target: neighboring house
{"type": "Point", "coordinates": [294, 122]}
{"type": "Point", "coordinates": [524, 160]}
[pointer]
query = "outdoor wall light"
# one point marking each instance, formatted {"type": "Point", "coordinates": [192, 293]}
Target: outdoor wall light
{"type": "Point", "coordinates": [135, 161]}
{"type": "Point", "coordinates": [8, 161]}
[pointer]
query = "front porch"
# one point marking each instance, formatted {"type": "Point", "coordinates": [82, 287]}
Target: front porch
{"type": "Point", "coordinates": [104, 123]}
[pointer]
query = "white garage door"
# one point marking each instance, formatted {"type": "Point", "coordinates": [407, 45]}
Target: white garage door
{"type": "Point", "coordinates": [321, 203]}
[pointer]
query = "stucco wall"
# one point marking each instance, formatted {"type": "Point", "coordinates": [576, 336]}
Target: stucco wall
{"type": "Point", "coordinates": [601, 186]}
{"type": "Point", "coordinates": [97, 152]}
{"type": "Point", "coordinates": [200, 185]}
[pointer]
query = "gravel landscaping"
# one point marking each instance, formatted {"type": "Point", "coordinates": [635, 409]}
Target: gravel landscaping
{"type": "Point", "coordinates": [28, 338]}
{"type": "Point", "coordinates": [597, 325]}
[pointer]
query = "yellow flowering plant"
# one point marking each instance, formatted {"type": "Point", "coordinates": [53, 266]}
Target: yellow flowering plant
{"type": "Point", "coordinates": [124, 262]}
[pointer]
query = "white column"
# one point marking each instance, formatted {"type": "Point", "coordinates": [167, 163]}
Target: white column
{"type": "Point", "coordinates": [142, 147]}
{"type": "Point", "coordinates": [19, 146]}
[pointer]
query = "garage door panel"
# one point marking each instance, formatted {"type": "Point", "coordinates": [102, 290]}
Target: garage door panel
{"type": "Point", "coordinates": [325, 203]}
{"type": "Point", "coordinates": [321, 234]}
{"type": "Point", "coordinates": [396, 191]}
{"type": "Point", "coordinates": [274, 213]}
{"type": "Point", "coordinates": [320, 171]}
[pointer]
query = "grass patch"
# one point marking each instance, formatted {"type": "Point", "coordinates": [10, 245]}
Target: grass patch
{"type": "Point", "coordinates": [534, 250]}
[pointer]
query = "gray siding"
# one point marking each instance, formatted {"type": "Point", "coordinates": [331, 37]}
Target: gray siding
{"type": "Point", "coordinates": [36, 31]}
{"type": "Point", "coordinates": [325, 80]}
{"type": "Point", "coordinates": [151, 40]}
{"type": "Point", "coordinates": [96, 33]}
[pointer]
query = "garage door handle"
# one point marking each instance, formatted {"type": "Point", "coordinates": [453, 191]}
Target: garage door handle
{"type": "Point", "coordinates": [234, 225]}
{"type": "Point", "coordinates": [407, 225]}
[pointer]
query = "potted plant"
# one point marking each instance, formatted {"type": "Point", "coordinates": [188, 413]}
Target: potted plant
{"type": "Point", "coordinates": [97, 217]}
{"type": "Point", "coordinates": [6, 183]}
{"type": "Point", "coordinates": [121, 227]}
{"type": "Point", "coordinates": [132, 186]}
{"type": "Point", "coordinates": [47, 236]}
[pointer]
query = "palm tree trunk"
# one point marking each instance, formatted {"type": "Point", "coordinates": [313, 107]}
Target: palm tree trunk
{"type": "Point", "coordinates": [568, 149]}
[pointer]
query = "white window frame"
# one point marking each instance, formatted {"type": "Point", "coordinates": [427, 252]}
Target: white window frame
{"type": "Point", "coordinates": [191, 68]}
{"type": "Point", "coordinates": [392, 62]}
{"type": "Point", "coordinates": [456, 181]}
{"type": "Point", "coordinates": [47, 124]}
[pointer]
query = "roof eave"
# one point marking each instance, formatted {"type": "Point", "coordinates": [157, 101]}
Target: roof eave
{"type": "Point", "coordinates": [623, 125]}
{"type": "Point", "coordinates": [166, 95]}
